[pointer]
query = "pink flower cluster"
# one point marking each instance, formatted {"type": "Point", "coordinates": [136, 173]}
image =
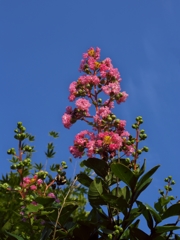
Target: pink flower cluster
{"type": "Point", "coordinates": [31, 183]}
{"type": "Point", "coordinates": [103, 143]}
{"type": "Point", "coordinates": [99, 77]}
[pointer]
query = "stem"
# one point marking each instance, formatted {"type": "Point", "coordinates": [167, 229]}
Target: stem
{"type": "Point", "coordinates": [171, 232]}
{"type": "Point", "coordinates": [136, 154]}
{"type": "Point", "coordinates": [117, 181]}
{"type": "Point", "coordinates": [20, 159]}
{"type": "Point", "coordinates": [60, 210]}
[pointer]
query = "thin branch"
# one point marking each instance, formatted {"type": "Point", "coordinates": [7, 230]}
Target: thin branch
{"type": "Point", "coordinates": [60, 210]}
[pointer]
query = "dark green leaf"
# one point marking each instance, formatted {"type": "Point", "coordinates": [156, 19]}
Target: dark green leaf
{"type": "Point", "coordinates": [98, 165]}
{"type": "Point", "coordinates": [173, 210]}
{"type": "Point", "coordinates": [84, 179]}
{"type": "Point", "coordinates": [164, 229]}
{"type": "Point", "coordinates": [117, 202]}
{"type": "Point", "coordinates": [143, 167]}
{"type": "Point", "coordinates": [147, 215]}
{"type": "Point", "coordinates": [155, 215]}
{"type": "Point", "coordinates": [33, 208]}
{"type": "Point", "coordinates": [141, 187]}
{"type": "Point", "coordinates": [147, 175]}
{"type": "Point", "coordinates": [136, 212]}
{"type": "Point", "coordinates": [15, 236]}
{"type": "Point", "coordinates": [136, 232]}
{"type": "Point", "coordinates": [125, 174]}
{"type": "Point", "coordinates": [44, 201]}
{"type": "Point", "coordinates": [45, 233]}
{"type": "Point", "coordinates": [66, 213]}
{"type": "Point", "coordinates": [95, 192]}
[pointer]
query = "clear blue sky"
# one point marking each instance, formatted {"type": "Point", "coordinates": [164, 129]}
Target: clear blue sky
{"type": "Point", "coordinates": [41, 45]}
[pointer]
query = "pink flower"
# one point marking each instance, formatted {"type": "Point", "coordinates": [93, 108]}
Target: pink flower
{"type": "Point", "coordinates": [109, 104]}
{"type": "Point", "coordinates": [123, 98]}
{"type": "Point", "coordinates": [91, 63]}
{"type": "Point", "coordinates": [66, 119]}
{"type": "Point", "coordinates": [111, 88]}
{"type": "Point", "coordinates": [83, 104]}
{"type": "Point", "coordinates": [33, 187]}
{"type": "Point", "coordinates": [122, 124]}
{"type": "Point", "coordinates": [69, 110]}
{"type": "Point", "coordinates": [104, 112]}
{"type": "Point", "coordinates": [51, 195]}
{"type": "Point", "coordinates": [34, 203]}
{"type": "Point", "coordinates": [75, 152]}
{"type": "Point", "coordinates": [39, 181]}
{"type": "Point", "coordinates": [26, 180]}
{"type": "Point", "coordinates": [72, 90]}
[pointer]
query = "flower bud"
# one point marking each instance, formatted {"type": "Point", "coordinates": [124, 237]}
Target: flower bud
{"type": "Point", "coordinates": [146, 149]}
{"type": "Point", "coordinates": [172, 197]}
{"type": "Point", "coordinates": [13, 167]}
{"type": "Point", "coordinates": [166, 179]}
{"type": "Point", "coordinates": [170, 177]}
{"type": "Point", "coordinates": [116, 232]}
{"type": "Point", "coordinates": [161, 192]}
{"type": "Point", "coordinates": [110, 236]}
{"type": "Point", "coordinates": [19, 124]}
{"type": "Point", "coordinates": [173, 182]}
{"type": "Point", "coordinates": [142, 131]}
{"type": "Point", "coordinates": [139, 151]}
{"type": "Point", "coordinates": [109, 119]}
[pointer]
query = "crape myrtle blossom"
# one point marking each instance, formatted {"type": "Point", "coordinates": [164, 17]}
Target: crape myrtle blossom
{"type": "Point", "coordinates": [99, 77]}
{"type": "Point", "coordinates": [103, 142]}
{"type": "Point", "coordinates": [83, 104]}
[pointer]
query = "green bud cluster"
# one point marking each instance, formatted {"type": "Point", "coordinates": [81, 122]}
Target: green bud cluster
{"type": "Point", "coordinates": [4, 185]}
{"type": "Point", "coordinates": [27, 148]}
{"type": "Point", "coordinates": [118, 96]}
{"type": "Point", "coordinates": [142, 136]}
{"type": "Point", "coordinates": [64, 165]}
{"type": "Point", "coordinates": [42, 174]}
{"type": "Point", "coordinates": [11, 151]}
{"type": "Point", "coordinates": [139, 119]}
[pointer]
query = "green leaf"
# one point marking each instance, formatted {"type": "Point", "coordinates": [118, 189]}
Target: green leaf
{"type": "Point", "coordinates": [125, 174]}
{"type": "Point", "coordinates": [54, 134]}
{"type": "Point", "coordinates": [141, 187]}
{"type": "Point", "coordinates": [117, 202]}
{"type": "Point", "coordinates": [147, 175]}
{"type": "Point", "coordinates": [136, 232]}
{"type": "Point", "coordinates": [136, 212]}
{"type": "Point", "coordinates": [98, 165]}
{"type": "Point", "coordinates": [126, 193]}
{"type": "Point", "coordinates": [155, 215]}
{"type": "Point", "coordinates": [147, 215]}
{"type": "Point", "coordinates": [164, 229]}
{"type": "Point", "coordinates": [66, 213]}
{"type": "Point", "coordinates": [143, 167]}
{"type": "Point", "coordinates": [84, 179]}
{"type": "Point", "coordinates": [33, 208]}
{"type": "Point", "coordinates": [177, 237]}
{"type": "Point", "coordinates": [173, 210]}
{"type": "Point", "coordinates": [44, 201]}
{"type": "Point", "coordinates": [61, 234]}
{"type": "Point", "coordinates": [45, 233]}
{"type": "Point", "coordinates": [95, 192]}
{"type": "Point", "coordinates": [15, 236]}
{"type": "Point", "coordinates": [6, 226]}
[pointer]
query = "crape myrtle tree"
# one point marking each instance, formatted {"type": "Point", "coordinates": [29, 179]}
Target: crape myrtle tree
{"type": "Point", "coordinates": [36, 203]}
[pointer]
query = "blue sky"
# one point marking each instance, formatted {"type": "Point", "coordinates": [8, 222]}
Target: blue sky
{"type": "Point", "coordinates": [41, 45]}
